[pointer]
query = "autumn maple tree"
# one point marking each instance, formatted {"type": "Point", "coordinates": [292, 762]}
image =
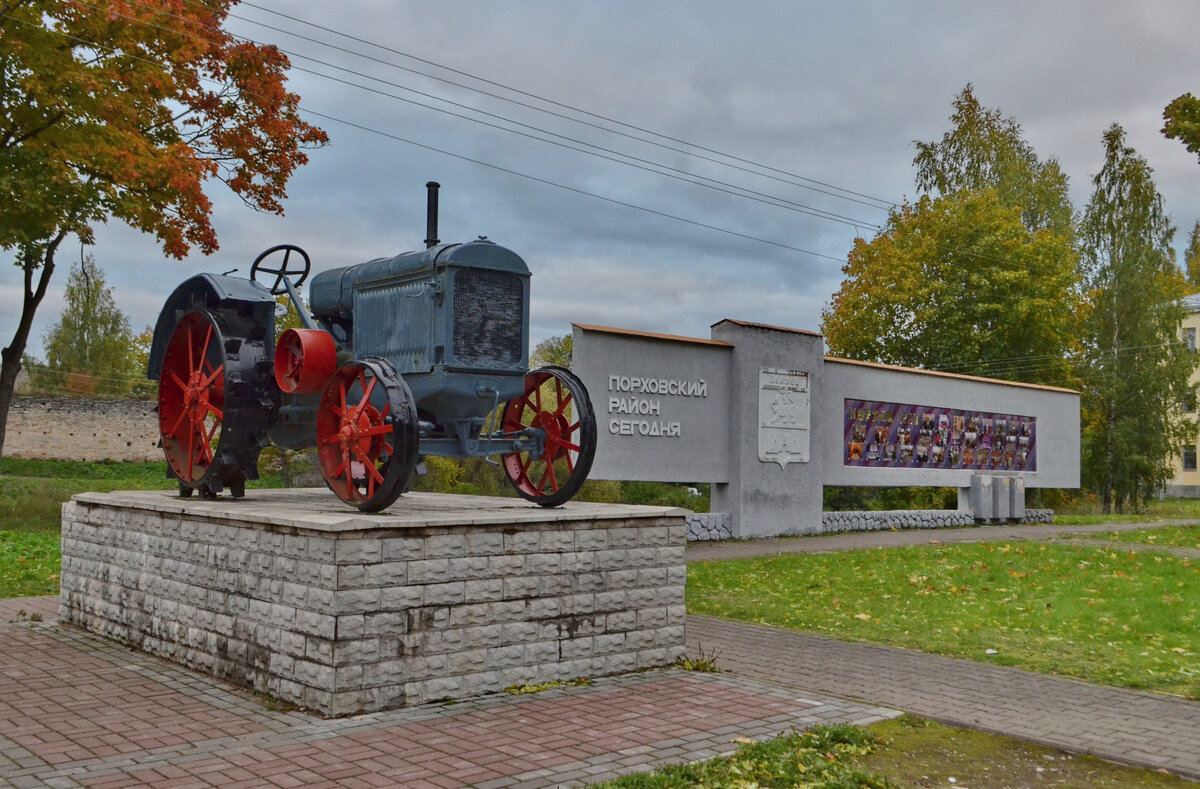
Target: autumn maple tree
{"type": "Point", "coordinates": [129, 110]}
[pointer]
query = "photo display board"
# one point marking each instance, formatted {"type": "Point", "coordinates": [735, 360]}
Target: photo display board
{"type": "Point", "coordinates": [895, 435]}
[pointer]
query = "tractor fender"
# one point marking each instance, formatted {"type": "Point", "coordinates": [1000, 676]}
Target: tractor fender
{"type": "Point", "coordinates": [212, 292]}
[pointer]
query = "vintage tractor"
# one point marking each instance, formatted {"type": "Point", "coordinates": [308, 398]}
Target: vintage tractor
{"type": "Point", "coordinates": [424, 353]}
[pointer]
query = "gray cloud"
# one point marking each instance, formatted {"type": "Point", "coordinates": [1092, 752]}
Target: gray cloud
{"type": "Point", "coordinates": [834, 92]}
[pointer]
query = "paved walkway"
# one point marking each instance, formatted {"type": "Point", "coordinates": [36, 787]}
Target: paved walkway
{"type": "Point", "coordinates": [1143, 729]}
{"type": "Point", "coordinates": [78, 711]}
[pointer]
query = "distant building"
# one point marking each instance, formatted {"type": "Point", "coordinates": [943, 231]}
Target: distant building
{"type": "Point", "coordinates": [1187, 476]}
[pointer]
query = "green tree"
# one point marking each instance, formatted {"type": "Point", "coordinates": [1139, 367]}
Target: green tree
{"type": "Point", "coordinates": [91, 349]}
{"type": "Point", "coordinates": [1182, 122]}
{"type": "Point", "coordinates": [1191, 259]}
{"type": "Point", "coordinates": [128, 110]}
{"type": "Point", "coordinates": [1137, 369]}
{"type": "Point", "coordinates": [985, 150]}
{"type": "Point", "coordinates": [958, 283]}
{"type": "Point", "coordinates": [552, 351]}
{"type": "Point", "coordinates": [142, 386]}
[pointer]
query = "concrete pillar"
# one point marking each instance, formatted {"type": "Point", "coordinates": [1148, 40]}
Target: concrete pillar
{"type": "Point", "coordinates": [766, 497]}
{"type": "Point", "coordinates": [982, 498]}
{"type": "Point", "coordinates": [1002, 493]}
{"type": "Point", "coordinates": [1016, 508]}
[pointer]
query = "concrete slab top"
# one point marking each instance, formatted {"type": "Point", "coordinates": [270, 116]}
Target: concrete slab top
{"type": "Point", "coordinates": [317, 509]}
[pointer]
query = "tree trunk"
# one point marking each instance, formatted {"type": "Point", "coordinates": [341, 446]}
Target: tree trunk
{"type": "Point", "coordinates": [33, 258]}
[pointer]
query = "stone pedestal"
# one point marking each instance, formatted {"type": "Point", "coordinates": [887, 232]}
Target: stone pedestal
{"type": "Point", "coordinates": [291, 593]}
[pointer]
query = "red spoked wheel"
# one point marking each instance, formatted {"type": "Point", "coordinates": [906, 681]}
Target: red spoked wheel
{"type": "Point", "coordinates": [367, 435]}
{"type": "Point", "coordinates": [191, 400]}
{"type": "Point", "coordinates": [304, 360]}
{"type": "Point", "coordinates": [556, 403]}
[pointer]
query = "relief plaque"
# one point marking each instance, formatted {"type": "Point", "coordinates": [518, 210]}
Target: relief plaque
{"type": "Point", "coordinates": [783, 416]}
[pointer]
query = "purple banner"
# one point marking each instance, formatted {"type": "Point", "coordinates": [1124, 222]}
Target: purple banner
{"type": "Point", "coordinates": [892, 435]}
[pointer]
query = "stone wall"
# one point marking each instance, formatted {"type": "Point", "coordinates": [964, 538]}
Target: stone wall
{"type": "Point", "coordinates": [292, 593]}
{"type": "Point", "coordinates": [82, 428]}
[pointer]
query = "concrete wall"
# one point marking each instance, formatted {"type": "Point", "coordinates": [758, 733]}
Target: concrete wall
{"type": "Point", "coordinates": [662, 404]}
{"type": "Point", "coordinates": [82, 428]}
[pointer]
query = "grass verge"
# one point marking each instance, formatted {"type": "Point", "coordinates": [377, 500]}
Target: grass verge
{"type": "Point", "coordinates": [1113, 617]}
{"type": "Point", "coordinates": [1151, 512]}
{"type": "Point", "coordinates": [1171, 536]}
{"type": "Point", "coordinates": [913, 752]}
{"type": "Point", "coordinates": [825, 757]}
{"type": "Point", "coordinates": [898, 754]}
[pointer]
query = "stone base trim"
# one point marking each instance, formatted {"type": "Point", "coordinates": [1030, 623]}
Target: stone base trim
{"type": "Point", "coordinates": [703, 526]}
{"type": "Point", "coordinates": [289, 593]}
{"type": "Point", "coordinates": [1038, 516]}
{"type": "Point", "coordinates": [895, 519]}
{"type": "Point", "coordinates": [914, 519]}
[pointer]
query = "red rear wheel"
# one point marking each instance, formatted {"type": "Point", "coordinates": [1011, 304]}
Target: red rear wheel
{"type": "Point", "coordinates": [367, 436]}
{"type": "Point", "coordinates": [191, 398]}
{"type": "Point", "coordinates": [556, 403]}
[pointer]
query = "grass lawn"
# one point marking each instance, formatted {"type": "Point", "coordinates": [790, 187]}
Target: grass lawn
{"type": "Point", "coordinates": [899, 754]}
{"type": "Point", "coordinates": [32, 493]}
{"type": "Point", "coordinates": [1108, 616]}
{"type": "Point", "coordinates": [29, 563]}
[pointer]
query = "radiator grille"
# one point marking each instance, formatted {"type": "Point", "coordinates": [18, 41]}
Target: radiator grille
{"type": "Point", "coordinates": [487, 318]}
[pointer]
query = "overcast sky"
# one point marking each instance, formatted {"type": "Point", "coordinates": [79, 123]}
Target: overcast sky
{"type": "Point", "coordinates": [833, 92]}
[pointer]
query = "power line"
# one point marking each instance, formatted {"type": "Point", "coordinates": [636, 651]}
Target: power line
{"type": "Point", "coordinates": [878, 202]}
{"type": "Point", "coordinates": [597, 151]}
{"type": "Point", "coordinates": [498, 168]}
{"type": "Point", "coordinates": [564, 187]}
{"type": "Point", "coordinates": [715, 184]}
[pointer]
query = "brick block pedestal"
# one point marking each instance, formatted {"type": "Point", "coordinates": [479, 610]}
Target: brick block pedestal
{"type": "Point", "coordinates": [291, 593]}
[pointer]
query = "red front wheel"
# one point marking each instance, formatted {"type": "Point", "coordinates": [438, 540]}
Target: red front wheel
{"type": "Point", "coordinates": [556, 403]}
{"type": "Point", "coordinates": [367, 434]}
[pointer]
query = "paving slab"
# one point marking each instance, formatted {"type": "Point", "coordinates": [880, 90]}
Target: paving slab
{"type": "Point", "coordinates": [80, 711]}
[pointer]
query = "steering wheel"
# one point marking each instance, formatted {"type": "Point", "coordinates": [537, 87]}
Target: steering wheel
{"type": "Point", "coordinates": [283, 270]}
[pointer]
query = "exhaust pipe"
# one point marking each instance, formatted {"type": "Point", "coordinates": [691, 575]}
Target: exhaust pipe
{"type": "Point", "coordinates": [431, 215]}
